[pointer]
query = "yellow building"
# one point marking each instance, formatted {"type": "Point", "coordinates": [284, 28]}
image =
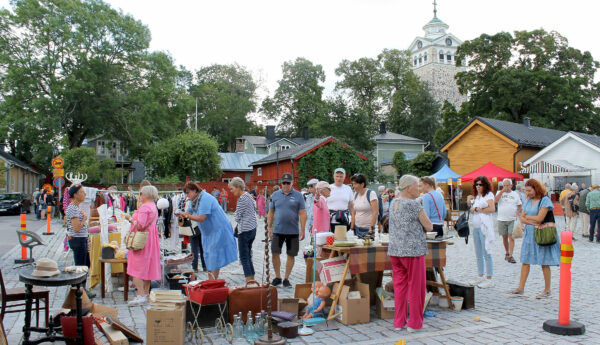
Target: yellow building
{"type": "Point", "coordinates": [503, 143]}
{"type": "Point", "coordinates": [19, 177]}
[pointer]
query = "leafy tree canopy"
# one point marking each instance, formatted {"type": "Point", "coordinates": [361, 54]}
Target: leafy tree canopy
{"type": "Point", "coordinates": [533, 74]}
{"type": "Point", "coordinates": [84, 160]}
{"type": "Point", "coordinates": [452, 122]}
{"type": "Point", "coordinates": [422, 164]}
{"type": "Point", "coordinates": [400, 163]}
{"type": "Point", "coordinates": [192, 153]}
{"type": "Point", "coordinates": [321, 163]}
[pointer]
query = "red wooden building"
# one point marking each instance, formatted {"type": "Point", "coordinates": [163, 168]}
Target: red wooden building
{"type": "Point", "coordinates": [267, 171]}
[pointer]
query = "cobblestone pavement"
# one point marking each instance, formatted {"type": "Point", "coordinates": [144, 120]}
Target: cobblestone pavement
{"type": "Point", "coordinates": [503, 319]}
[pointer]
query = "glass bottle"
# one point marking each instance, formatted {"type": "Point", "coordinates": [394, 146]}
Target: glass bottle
{"type": "Point", "coordinates": [258, 325]}
{"type": "Point", "coordinates": [237, 329]}
{"type": "Point", "coordinates": [250, 333]}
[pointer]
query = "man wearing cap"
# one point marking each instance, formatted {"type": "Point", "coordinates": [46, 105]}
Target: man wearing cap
{"type": "Point", "coordinates": [308, 204]}
{"type": "Point", "coordinates": [340, 200]}
{"type": "Point", "coordinates": [592, 203]}
{"type": "Point", "coordinates": [286, 209]}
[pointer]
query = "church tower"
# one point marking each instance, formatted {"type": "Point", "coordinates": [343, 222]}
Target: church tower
{"type": "Point", "coordinates": [434, 60]}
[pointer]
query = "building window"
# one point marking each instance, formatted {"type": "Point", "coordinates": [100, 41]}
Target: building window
{"type": "Point", "coordinates": [420, 59]}
{"type": "Point", "coordinates": [259, 171]}
{"type": "Point", "coordinates": [441, 56]}
{"type": "Point", "coordinates": [226, 180]}
{"type": "Point", "coordinates": [415, 61]}
{"type": "Point", "coordinates": [425, 57]}
{"type": "Point", "coordinates": [449, 57]}
{"type": "Point", "coordinates": [284, 147]}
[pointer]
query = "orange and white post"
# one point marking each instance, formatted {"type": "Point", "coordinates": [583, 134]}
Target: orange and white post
{"type": "Point", "coordinates": [23, 228]}
{"type": "Point", "coordinates": [48, 221]}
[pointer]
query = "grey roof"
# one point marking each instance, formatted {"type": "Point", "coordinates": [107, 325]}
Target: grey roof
{"type": "Point", "coordinates": [263, 141]}
{"type": "Point", "coordinates": [521, 134]}
{"type": "Point", "coordinates": [292, 152]}
{"type": "Point", "coordinates": [238, 161]}
{"type": "Point", "coordinates": [7, 156]}
{"type": "Point", "coordinates": [590, 138]}
{"type": "Point", "coordinates": [390, 136]}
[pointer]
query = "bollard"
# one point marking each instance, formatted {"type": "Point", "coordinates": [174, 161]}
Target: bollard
{"type": "Point", "coordinates": [564, 326]}
{"type": "Point", "coordinates": [48, 220]}
{"type": "Point", "coordinates": [23, 259]}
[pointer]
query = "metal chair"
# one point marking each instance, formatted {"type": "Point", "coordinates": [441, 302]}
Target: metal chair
{"type": "Point", "coordinates": [31, 240]}
{"type": "Point", "coordinates": [18, 294]}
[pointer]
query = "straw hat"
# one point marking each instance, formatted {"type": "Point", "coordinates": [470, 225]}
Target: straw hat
{"type": "Point", "coordinates": [595, 186]}
{"type": "Point", "coordinates": [45, 267]}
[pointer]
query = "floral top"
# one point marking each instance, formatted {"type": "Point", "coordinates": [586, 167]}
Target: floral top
{"type": "Point", "coordinates": [406, 232]}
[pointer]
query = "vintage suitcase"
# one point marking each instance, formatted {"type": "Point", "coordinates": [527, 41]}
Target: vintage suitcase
{"type": "Point", "coordinates": [254, 298]}
{"type": "Point", "coordinates": [464, 291]}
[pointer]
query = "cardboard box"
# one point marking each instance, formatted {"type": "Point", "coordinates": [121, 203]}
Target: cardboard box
{"type": "Point", "coordinates": [383, 309]}
{"type": "Point", "coordinates": [165, 327]}
{"type": "Point", "coordinates": [331, 270]}
{"type": "Point", "coordinates": [302, 292]}
{"type": "Point", "coordinates": [291, 305]}
{"type": "Point", "coordinates": [353, 311]}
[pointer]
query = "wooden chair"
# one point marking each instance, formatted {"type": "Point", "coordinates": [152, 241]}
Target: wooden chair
{"type": "Point", "coordinates": [18, 294]}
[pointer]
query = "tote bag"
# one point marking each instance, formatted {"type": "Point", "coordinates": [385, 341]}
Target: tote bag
{"type": "Point", "coordinates": [136, 240]}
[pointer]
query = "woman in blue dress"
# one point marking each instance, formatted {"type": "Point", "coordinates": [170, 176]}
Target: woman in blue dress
{"type": "Point", "coordinates": [534, 211]}
{"type": "Point", "coordinates": [218, 243]}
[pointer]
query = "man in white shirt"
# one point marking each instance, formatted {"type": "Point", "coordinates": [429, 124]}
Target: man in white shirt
{"type": "Point", "coordinates": [509, 209]}
{"type": "Point", "coordinates": [340, 200]}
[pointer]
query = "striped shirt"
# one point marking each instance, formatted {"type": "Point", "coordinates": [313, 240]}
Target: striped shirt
{"type": "Point", "coordinates": [245, 213]}
{"type": "Point", "coordinates": [73, 211]}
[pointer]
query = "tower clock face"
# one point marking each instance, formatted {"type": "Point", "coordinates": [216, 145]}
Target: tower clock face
{"type": "Point", "coordinates": [448, 41]}
{"type": "Point", "coordinates": [419, 44]}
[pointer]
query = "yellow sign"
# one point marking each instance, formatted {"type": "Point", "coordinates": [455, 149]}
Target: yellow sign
{"type": "Point", "coordinates": [58, 172]}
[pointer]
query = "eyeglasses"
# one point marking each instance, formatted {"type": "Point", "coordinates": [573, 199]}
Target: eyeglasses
{"type": "Point", "coordinates": [478, 184]}
{"type": "Point", "coordinates": [284, 183]}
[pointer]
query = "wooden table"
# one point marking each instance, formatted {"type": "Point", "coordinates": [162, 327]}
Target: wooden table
{"type": "Point", "coordinates": [363, 259]}
{"type": "Point", "coordinates": [125, 276]}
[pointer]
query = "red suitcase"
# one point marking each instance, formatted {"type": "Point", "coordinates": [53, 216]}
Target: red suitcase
{"type": "Point", "coordinates": [207, 292]}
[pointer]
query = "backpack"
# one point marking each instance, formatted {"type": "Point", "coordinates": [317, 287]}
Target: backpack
{"type": "Point", "coordinates": [379, 203]}
{"type": "Point", "coordinates": [574, 207]}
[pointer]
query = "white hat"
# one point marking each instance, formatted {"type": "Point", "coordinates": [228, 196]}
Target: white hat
{"type": "Point", "coordinates": [323, 184]}
{"type": "Point", "coordinates": [339, 170]}
{"type": "Point", "coordinates": [162, 204]}
{"type": "Point", "coordinates": [45, 267]}
{"type": "Point", "coordinates": [312, 182]}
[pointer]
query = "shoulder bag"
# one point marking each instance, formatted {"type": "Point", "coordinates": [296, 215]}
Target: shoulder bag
{"type": "Point", "coordinates": [462, 226]}
{"type": "Point", "coordinates": [545, 233]}
{"type": "Point", "coordinates": [136, 240]}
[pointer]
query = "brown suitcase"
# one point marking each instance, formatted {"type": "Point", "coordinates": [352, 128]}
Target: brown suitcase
{"type": "Point", "coordinates": [254, 298]}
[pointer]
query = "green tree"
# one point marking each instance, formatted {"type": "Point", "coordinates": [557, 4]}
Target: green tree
{"type": "Point", "coordinates": [73, 69]}
{"type": "Point", "coordinates": [2, 175]}
{"type": "Point", "coordinates": [400, 163]}
{"type": "Point", "coordinates": [192, 153]}
{"type": "Point", "coordinates": [226, 96]}
{"type": "Point", "coordinates": [422, 164]}
{"type": "Point", "coordinates": [298, 101]}
{"type": "Point", "coordinates": [533, 74]}
{"type": "Point", "coordinates": [452, 122]}
{"type": "Point", "coordinates": [84, 160]}
{"type": "Point", "coordinates": [322, 162]}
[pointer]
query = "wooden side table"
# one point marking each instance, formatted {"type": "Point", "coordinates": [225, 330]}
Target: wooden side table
{"type": "Point", "coordinates": [103, 262]}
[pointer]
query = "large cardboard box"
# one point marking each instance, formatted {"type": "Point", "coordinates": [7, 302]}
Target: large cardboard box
{"type": "Point", "coordinates": [353, 310]}
{"type": "Point", "coordinates": [165, 327]}
{"type": "Point", "coordinates": [302, 292]}
{"type": "Point", "coordinates": [384, 309]}
{"type": "Point", "coordinates": [331, 270]}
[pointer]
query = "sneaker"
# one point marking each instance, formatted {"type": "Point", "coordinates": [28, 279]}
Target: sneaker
{"type": "Point", "coordinates": [276, 281]}
{"type": "Point", "coordinates": [139, 300]}
{"type": "Point", "coordinates": [286, 283]}
{"type": "Point", "coordinates": [476, 281]}
{"type": "Point", "coordinates": [487, 283]}
{"type": "Point", "coordinates": [413, 330]}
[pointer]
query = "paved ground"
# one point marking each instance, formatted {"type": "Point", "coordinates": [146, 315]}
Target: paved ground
{"type": "Point", "coordinates": [503, 319]}
{"type": "Point", "coordinates": [8, 225]}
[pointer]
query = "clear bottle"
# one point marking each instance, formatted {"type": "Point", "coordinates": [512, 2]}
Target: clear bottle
{"type": "Point", "coordinates": [250, 331]}
{"type": "Point", "coordinates": [237, 328]}
{"type": "Point", "coordinates": [242, 326]}
{"type": "Point", "coordinates": [258, 325]}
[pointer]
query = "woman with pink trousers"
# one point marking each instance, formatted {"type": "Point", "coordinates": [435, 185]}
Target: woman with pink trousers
{"type": "Point", "coordinates": [407, 250]}
{"type": "Point", "coordinates": [144, 264]}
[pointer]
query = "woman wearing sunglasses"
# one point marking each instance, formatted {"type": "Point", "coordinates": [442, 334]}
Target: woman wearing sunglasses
{"type": "Point", "coordinates": [483, 230]}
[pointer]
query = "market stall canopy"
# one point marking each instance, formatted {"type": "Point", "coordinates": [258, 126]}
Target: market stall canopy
{"type": "Point", "coordinates": [552, 167]}
{"type": "Point", "coordinates": [444, 174]}
{"type": "Point", "coordinates": [491, 170]}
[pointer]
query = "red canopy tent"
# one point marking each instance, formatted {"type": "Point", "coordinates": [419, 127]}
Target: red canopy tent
{"type": "Point", "coordinates": [491, 170]}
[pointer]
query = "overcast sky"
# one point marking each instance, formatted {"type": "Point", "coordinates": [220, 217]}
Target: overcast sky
{"type": "Point", "coordinates": [262, 34]}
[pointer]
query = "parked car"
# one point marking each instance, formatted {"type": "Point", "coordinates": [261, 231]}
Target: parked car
{"type": "Point", "coordinates": [15, 203]}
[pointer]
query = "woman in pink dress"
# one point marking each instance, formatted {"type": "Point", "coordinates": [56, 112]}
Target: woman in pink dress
{"type": "Point", "coordinates": [144, 265]}
{"type": "Point", "coordinates": [260, 204]}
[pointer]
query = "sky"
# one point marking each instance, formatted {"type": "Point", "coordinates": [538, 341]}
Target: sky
{"type": "Point", "coordinates": [262, 34]}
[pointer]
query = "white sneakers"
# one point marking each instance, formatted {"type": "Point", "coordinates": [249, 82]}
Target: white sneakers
{"type": "Point", "coordinates": [476, 281]}
{"type": "Point", "coordinates": [487, 283]}
{"type": "Point", "coordinates": [139, 300]}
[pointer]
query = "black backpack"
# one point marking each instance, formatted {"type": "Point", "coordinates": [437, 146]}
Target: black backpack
{"type": "Point", "coordinates": [574, 208]}
{"type": "Point", "coordinates": [462, 226]}
{"type": "Point", "coordinates": [379, 203]}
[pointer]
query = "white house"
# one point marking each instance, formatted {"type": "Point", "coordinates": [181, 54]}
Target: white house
{"type": "Point", "coordinates": [574, 157]}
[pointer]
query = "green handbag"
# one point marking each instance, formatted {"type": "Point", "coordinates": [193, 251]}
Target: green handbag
{"type": "Point", "coordinates": [545, 233]}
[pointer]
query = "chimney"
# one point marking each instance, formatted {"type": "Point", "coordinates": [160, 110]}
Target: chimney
{"type": "Point", "coordinates": [239, 144]}
{"type": "Point", "coordinates": [527, 122]}
{"type": "Point", "coordinates": [382, 127]}
{"type": "Point", "coordinates": [270, 132]}
{"type": "Point", "coordinates": [305, 133]}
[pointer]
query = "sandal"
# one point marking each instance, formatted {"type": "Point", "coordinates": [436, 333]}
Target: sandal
{"type": "Point", "coordinates": [517, 291]}
{"type": "Point", "coordinates": [511, 260]}
{"type": "Point", "coordinates": [506, 256]}
{"type": "Point", "coordinates": [543, 294]}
